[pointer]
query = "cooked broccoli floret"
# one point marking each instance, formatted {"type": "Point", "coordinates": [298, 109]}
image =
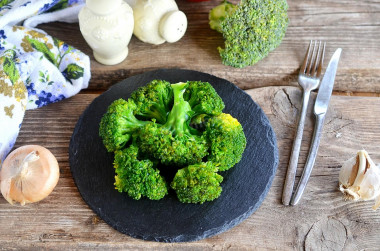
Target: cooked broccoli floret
{"type": "Point", "coordinates": [138, 177]}
{"type": "Point", "coordinates": [175, 142]}
{"type": "Point", "coordinates": [251, 30]}
{"type": "Point", "coordinates": [118, 124]}
{"type": "Point", "coordinates": [203, 98]}
{"type": "Point", "coordinates": [227, 140]}
{"type": "Point", "coordinates": [179, 125]}
{"type": "Point", "coordinates": [197, 183]}
{"type": "Point", "coordinates": [154, 100]}
{"type": "Point", "coordinates": [199, 122]}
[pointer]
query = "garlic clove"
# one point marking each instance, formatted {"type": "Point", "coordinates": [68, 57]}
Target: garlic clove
{"type": "Point", "coordinates": [348, 170]}
{"type": "Point", "coordinates": [370, 187]}
{"type": "Point", "coordinates": [359, 179]}
{"type": "Point", "coordinates": [29, 174]}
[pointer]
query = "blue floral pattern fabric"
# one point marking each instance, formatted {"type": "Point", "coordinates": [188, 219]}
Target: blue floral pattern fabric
{"type": "Point", "coordinates": [35, 68]}
{"type": "Point", "coordinates": [34, 12]}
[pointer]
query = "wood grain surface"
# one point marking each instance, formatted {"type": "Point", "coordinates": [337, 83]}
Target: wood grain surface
{"type": "Point", "coordinates": [323, 220]}
{"type": "Point", "coordinates": [349, 24]}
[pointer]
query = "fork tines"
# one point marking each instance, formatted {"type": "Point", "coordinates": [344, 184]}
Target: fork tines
{"type": "Point", "coordinates": [312, 64]}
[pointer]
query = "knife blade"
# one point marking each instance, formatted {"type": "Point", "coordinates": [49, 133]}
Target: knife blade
{"type": "Point", "coordinates": [327, 84]}
{"type": "Point", "coordinates": [320, 108]}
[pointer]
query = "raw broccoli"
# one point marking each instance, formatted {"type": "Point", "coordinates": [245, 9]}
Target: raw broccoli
{"type": "Point", "coordinates": [154, 100]}
{"type": "Point", "coordinates": [227, 140]}
{"type": "Point", "coordinates": [219, 13]}
{"type": "Point", "coordinates": [197, 183]}
{"type": "Point", "coordinates": [203, 98]}
{"type": "Point", "coordinates": [251, 30]}
{"type": "Point", "coordinates": [118, 124]}
{"type": "Point", "coordinates": [175, 142]}
{"type": "Point", "coordinates": [138, 177]}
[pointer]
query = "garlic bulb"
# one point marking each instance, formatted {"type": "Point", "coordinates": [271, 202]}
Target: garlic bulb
{"type": "Point", "coordinates": [29, 174]}
{"type": "Point", "coordinates": [359, 179]}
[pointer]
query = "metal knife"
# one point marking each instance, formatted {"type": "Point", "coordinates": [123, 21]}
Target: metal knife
{"type": "Point", "coordinates": [320, 109]}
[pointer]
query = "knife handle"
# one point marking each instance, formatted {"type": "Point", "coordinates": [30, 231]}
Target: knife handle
{"type": "Point", "coordinates": [292, 167]}
{"type": "Point", "coordinates": [320, 118]}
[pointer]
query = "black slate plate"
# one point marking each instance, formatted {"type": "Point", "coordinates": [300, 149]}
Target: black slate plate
{"type": "Point", "coordinates": [244, 187]}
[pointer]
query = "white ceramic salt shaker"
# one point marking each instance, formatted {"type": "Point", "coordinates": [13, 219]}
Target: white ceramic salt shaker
{"type": "Point", "coordinates": [107, 27]}
{"type": "Point", "coordinates": [158, 21]}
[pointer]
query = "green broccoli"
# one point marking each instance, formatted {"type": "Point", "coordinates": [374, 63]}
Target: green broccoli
{"type": "Point", "coordinates": [197, 183]}
{"type": "Point", "coordinates": [251, 30]}
{"type": "Point", "coordinates": [118, 124]}
{"type": "Point", "coordinates": [154, 100]}
{"type": "Point", "coordinates": [218, 14]}
{"type": "Point", "coordinates": [175, 142]}
{"type": "Point", "coordinates": [203, 98]}
{"type": "Point", "coordinates": [138, 177]}
{"type": "Point", "coordinates": [227, 140]}
{"type": "Point", "coordinates": [179, 125]}
{"type": "Point", "coordinates": [199, 122]}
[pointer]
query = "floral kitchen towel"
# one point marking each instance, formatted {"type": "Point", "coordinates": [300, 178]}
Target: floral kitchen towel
{"type": "Point", "coordinates": [35, 12]}
{"type": "Point", "coordinates": [35, 68]}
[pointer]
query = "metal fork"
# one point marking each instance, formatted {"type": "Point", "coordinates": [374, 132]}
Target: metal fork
{"type": "Point", "coordinates": [308, 78]}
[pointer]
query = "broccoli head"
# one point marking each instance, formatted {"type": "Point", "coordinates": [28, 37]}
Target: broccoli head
{"type": "Point", "coordinates": [218, 14]}
{"type": "Point", "coordinates": [138, 177]}
{"type": "Point", "coordinates": [154, 100]}
{"type": "Point", "coordinates": [179, 125]}
{"type": "Point", "coordinates": [199, 121]}
{"type": "Point", "coordinates": [118, 124]}
{"type": "Point", "coordinates": [251, 30]}
{"type": "Point", "coordinates": [227, 140]}
{"type": "Point", "coordinates": [175, 142]}
{"type": "Point", "coordinates": [203, 98]}
{"type": "Point", "coordinates": [197, 183]}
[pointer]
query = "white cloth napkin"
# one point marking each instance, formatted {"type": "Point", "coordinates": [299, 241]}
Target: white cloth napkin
{"type": "Point", "coordinates": [35, 68]}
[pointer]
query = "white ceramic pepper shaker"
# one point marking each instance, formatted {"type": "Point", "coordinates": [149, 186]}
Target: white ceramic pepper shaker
{"type": "Point", "coordinates": [158, 21]}
{"type": "Point", "coordinates": [107, 27]}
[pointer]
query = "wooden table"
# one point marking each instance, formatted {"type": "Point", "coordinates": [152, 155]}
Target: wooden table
{"type": "Point", "coordinates": [322, 220]}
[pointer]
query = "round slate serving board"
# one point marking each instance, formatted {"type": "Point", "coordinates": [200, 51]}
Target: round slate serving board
{"type": "Point", "coordinates": [244, 186]}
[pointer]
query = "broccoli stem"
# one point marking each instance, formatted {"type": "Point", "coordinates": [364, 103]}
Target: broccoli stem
{"type": "Point", "coordinates": [178, 116]}
{"type": "Point", "coordinates": [131, 122]}
{"type": "Point", "coordinates": [159, 113]}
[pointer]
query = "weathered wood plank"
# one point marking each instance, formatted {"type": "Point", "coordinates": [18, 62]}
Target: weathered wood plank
{"type": "Point", "coordinates": [64, 221]}
{"type": "Point", "coordinates": [352, 25]}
